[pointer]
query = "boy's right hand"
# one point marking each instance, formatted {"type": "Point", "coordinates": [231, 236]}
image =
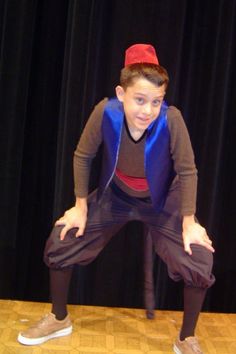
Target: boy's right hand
{"type": "Point", "coordinates": [74, 217]}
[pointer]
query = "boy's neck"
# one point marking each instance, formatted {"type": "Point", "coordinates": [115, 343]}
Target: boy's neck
{"type": "Point", "coordinates": [135, 133]}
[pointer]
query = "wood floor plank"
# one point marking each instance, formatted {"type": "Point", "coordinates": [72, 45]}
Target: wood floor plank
{"type": "Point", "coordinates": [106, 330]}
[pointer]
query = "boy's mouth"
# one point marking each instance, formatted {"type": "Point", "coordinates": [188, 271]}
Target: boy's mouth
{"type": "Point", "coordinates": [144, 120]}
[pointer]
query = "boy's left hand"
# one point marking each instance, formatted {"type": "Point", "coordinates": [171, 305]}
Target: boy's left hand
{"type": "Point", "coordinates": [195, 233]}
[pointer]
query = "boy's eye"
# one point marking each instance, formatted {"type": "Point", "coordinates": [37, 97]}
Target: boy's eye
{"type": "Point", "coordinates": [139, 100]}
{"type": "Point", "coordinates": [156, 103]}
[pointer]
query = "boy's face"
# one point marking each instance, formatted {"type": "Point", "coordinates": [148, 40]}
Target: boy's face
{"type": "Point", "coordinates": [142, 103]}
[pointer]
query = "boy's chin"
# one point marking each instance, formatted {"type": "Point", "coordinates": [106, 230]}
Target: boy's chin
{"type": "Point", "coordinates": [143, 126]}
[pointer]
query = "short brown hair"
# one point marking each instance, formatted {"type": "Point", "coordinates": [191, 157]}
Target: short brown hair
{"type": "Point", "coordinates": [152, 72]}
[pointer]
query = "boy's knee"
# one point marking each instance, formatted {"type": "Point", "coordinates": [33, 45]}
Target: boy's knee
{"type": "Point", "coordinates": [196, 269]}
{"type": "Point", "coordinates": [202, 257]}
{"type": "Point", "coordinates": [52, 247]}
{"type": "Point", "coordinates": [200, 268]}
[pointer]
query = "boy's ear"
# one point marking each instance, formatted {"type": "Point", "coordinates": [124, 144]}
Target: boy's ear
{"type": "Point", "coordinates": [120, 93]}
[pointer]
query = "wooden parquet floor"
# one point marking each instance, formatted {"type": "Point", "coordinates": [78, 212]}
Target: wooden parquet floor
{"type": "Point", "coordinates": [101, 330]}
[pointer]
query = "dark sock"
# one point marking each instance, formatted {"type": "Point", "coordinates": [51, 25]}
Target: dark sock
{"type": "Point", "coordinates": [59, 286]}
{"type": "Point", "coordinates": [193, 300]}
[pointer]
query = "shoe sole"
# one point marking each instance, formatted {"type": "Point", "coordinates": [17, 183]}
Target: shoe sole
{"type": "Point", "coordinates": [176, 350]}
{"type": "Point", "coordinates": [40, 340]}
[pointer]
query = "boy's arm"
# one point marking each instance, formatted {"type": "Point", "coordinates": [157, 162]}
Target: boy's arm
{"type": "Point", "coordinates": [91, 138]}
{"type": "Point", "coordinates": [184, 164]}
{"type": "Point", "coordinates": [86, 150]}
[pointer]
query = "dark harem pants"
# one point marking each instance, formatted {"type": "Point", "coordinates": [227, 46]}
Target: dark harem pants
{"type": "Point", "coordinates": [106, 217]}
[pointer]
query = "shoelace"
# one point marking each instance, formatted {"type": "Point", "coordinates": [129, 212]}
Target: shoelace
{"type": "Point", "coordinates": [41, 323]}
{"type": "Point", "coordinates": [194, 344]}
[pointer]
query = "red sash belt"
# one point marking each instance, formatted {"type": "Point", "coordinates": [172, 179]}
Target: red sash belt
{"type": "Point", "coordinates": [136, 183]}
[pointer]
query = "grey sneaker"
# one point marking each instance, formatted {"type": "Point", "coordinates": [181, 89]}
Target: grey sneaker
{"type": "Point", "coordinates": [188, 346]}
{"type": "Point", "coordinates": [46, 328]}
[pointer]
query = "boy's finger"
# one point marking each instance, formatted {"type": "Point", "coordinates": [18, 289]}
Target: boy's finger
{"type": "Point", "coordinates": [187, 248]}
{"type": "Point", "coordinates": [64, 232]}
{"type": "Point", "coordinates": [60, 222]}
{"type": "Point", "coordinates": [209, 247]}
{"type": "Point", "coordinates": [80, 232]}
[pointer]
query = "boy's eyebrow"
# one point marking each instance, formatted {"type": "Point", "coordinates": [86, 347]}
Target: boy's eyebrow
{"type": "Point", "coordinates": [143, 94]}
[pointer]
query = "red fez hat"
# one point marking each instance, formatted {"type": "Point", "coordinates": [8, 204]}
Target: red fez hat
{"type": "Point", "coordinates": [141, 53]}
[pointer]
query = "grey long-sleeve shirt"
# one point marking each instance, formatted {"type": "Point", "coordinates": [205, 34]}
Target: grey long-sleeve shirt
{"type": "Point", "coordinates": [180, 147]}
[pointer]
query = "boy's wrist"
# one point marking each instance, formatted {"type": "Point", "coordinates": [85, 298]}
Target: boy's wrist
{"type": "Point", "coordinates": [81, 203]}
{"type": "Point", "coordinates": [188, 220]}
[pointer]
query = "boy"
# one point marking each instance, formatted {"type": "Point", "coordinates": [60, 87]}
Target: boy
{"type": "Point", "coordinates": [157, 187]}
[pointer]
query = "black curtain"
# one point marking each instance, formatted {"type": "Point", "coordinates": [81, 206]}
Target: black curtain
{"type": "Point", "coordinates": [60, 57]}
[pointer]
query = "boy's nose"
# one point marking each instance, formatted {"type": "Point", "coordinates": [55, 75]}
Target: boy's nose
{"type": "Point", "coordinates": [147, 109]}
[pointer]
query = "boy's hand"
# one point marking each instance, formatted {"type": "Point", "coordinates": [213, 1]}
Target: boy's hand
{"type": "Point", "coordinates": [74, 217]}
{"type": "Point", "coordinates": [195, 233]}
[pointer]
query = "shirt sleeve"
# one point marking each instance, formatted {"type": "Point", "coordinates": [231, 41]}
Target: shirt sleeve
{"type": "Point", "coordinates": [184, 163]}
{"type": "Point", "coordinates": [86, 150]}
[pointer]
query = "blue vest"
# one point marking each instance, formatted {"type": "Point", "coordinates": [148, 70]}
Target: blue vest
{"type": "Point", "coordinates": [158, 162]}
